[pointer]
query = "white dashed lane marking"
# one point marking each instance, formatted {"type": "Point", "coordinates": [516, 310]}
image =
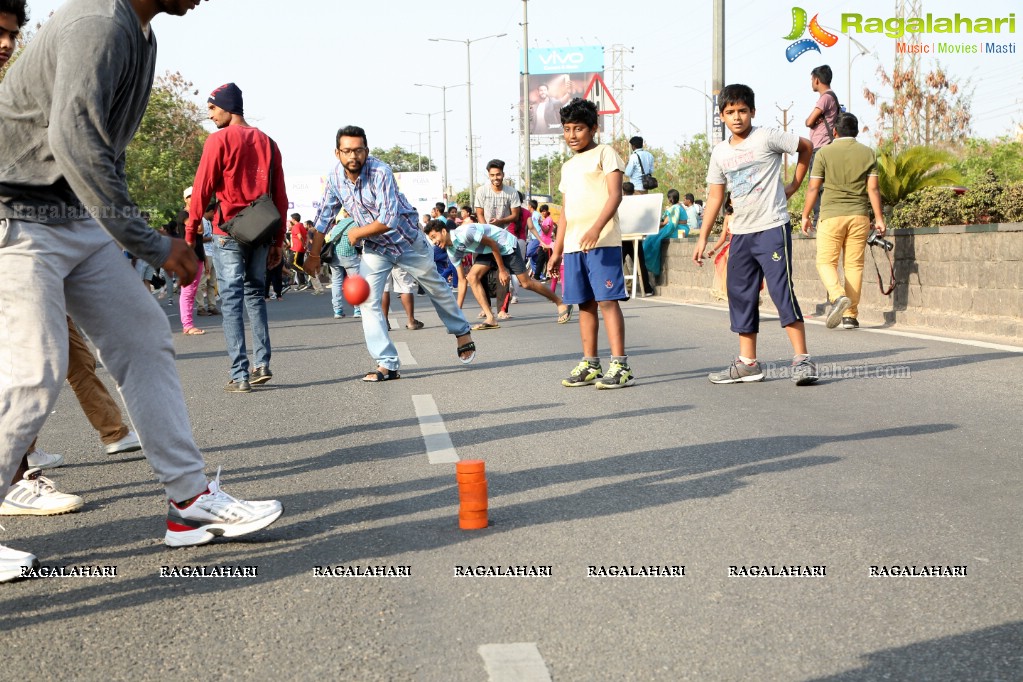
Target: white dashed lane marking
{"type": "Point", "coordinates": [439, 448]}
{"type": "Point", "coordinates": [514, 663]}
{"type": "Point", "coordinates": [404, 354]}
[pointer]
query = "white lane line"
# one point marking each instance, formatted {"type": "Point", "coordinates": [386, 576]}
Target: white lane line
{"type": "Point", "coordinates": [404, 354]}
{"type": "Point", "coordinates": [439, 448]}
{"type": "Point", "coordinates": [889, 332]}
{"type": "Point", "coordinates": [514, 663]}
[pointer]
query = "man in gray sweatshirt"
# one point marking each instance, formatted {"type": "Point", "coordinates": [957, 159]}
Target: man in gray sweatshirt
{"type": "Point", "coordinates": [69, 107]}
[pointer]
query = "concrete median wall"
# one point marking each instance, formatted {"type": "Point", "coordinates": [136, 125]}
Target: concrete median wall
{"type": "Point", "coordinates": [961, 279]}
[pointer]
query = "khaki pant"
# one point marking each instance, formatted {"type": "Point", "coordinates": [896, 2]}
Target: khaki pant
{"type": "Point", "coordinates": [206, 294]}
{"type": "Point", "coordinates": [835, 235]}
{"type": "Point", "coordinates": [100, 409]}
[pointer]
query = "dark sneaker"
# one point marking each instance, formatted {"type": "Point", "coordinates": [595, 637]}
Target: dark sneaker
{"type": "Point", "coordinates": [260, 376]}
{"type": "Point", "coordinates": [804, 372]}
{"type": "Point", "coordinates": [584, 374]}
{"type": "Point", "coordinates": [850, 323]}
{"type": "Point", "coordinates": [238, 387]}
{"type": "Point", "coordinates": [737, 373]}
{"type": "Point", "coordinates": [837, 309]}
{"type": "Point", "coordinates": [617, 376]}
{"type": "Point", "coordinates": [216, 513]}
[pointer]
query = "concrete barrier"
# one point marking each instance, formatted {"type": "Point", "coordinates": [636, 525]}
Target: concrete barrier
{"type": "Point", "coordinates": [961, 279]}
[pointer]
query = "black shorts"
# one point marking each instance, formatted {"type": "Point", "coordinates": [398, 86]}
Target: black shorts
{"type": "Point", "coordinates": [513, 261]}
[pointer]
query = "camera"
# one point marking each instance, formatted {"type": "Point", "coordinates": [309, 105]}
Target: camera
{"type": "Point", "coordinates": [874, 239]}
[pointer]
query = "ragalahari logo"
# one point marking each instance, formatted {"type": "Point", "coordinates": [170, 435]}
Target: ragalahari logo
{"type": "Point", "coordinates": [804, 45]}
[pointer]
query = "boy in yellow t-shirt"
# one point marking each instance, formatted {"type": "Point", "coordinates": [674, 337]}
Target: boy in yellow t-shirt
{"type": "Point", "coordinates": [589, 242]}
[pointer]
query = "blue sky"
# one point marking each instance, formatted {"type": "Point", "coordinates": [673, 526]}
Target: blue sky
{"type": "Point", "coordinates": [309, 66]}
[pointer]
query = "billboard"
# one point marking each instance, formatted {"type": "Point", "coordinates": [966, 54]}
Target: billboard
{"type": "Point", "coordinates": [556, 76]}
{"type": "Point", "coordinates": [305, 193]}
{"type": "Point", "coordinates": [422, 190]}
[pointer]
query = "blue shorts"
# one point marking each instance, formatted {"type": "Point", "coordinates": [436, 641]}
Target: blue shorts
{"type": "Point", "coordinates": [751, 259]}
{"type": "Point", "coordinates": [595, 275]}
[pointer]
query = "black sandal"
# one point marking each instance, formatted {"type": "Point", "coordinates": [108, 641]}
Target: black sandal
{"type": "Point", "coordinates": [465, 348]}
{"type": "Point", "coordinates": [379, 376]}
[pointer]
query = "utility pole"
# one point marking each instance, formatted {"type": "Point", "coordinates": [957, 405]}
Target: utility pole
{"type": "Point", "coordinates": [718, 72]}
{"type": "Point", "coordinates": [785, 127]}
{"type": "Point", "coordinates": [618, 88]}
{"type": "Point", "coordinates": [526, 166]}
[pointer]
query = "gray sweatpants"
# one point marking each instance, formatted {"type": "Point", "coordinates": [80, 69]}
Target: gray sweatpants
{"type": "Point", "coordinates": [77, 268]}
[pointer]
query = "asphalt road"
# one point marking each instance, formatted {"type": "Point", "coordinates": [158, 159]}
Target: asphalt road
{"type": "Point", "coordinates": [907, 454]}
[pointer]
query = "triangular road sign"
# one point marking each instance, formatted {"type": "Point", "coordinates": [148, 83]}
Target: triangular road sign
{"type": "Point", "coordinates": [597, 92]}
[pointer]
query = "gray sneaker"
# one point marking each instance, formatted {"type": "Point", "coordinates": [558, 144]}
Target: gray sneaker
{"type": "Point", "coordinates": [838, 308]}
{"type": "Point", "coordinates": [804, 372]}
{"type": "Point", "coordinates": [737, 373]}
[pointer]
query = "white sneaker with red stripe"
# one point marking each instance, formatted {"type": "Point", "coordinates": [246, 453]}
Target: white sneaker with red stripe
{"type": "Point", "coordinates": [216, 513]}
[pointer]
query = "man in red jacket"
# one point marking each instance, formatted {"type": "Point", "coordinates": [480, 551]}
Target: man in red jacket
{"type": "Point", "coordinates": [239, 164]}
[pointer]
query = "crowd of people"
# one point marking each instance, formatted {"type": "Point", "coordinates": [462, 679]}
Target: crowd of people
{"type": "Point", "coordinates": [63, 235]}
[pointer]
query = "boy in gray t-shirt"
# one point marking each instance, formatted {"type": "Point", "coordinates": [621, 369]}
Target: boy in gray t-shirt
{"type": "Point", "coordinates": [749, 164]}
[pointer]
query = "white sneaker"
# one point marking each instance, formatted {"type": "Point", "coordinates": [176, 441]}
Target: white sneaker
{"type": "Point", "coordinates": [12, 561]}
{"type": "Point", "coordinates": [217, 513]}
{"type": "Point", "coordinates": [514, 299]}
{"type": "Point", "coordinates": [37, 459]}
{"type": "Point", "coordinates": [35, 495]}
{"type": "Point", "coordinates": [129, 443]}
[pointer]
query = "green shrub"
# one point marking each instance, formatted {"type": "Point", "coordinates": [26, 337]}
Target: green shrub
{"type": "Point", "coordinates": [1010, 203]}
{"type": "Point", "coordinates": [979, 204]}
{"type": "Point", "coordinates": [928, 207]}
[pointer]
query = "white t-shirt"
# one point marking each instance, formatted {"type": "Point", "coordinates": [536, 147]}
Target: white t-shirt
{"type": "Point", "coordinates": [751, 171]}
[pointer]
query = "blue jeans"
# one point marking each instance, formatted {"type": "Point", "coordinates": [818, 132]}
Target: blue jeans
{"type": "Point", "coordinates": [341, 267]}
{"type": "Point", "coordinates": [416, 260]}
{"type": "Point", "coordinates": [241, 275]}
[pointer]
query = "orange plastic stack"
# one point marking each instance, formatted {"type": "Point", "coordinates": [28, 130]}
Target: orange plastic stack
{"type": "Point", "coordinates": [472, 494]}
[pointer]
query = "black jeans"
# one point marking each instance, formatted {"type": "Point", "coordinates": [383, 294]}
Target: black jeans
{"type": "Point", "coordinates": [274, 278]}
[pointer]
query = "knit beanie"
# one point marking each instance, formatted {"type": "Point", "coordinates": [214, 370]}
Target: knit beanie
{"type": "Point", "coordinates": [229, 98]}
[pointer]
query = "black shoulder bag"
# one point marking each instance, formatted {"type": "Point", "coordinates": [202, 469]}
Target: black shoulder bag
{"type": "Point", "coordinates": [649, 181]}
{"type": "Point", "coordinates": [256, 224]}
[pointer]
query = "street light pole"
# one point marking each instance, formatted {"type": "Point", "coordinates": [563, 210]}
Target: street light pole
{"type": "Point", "coordinates": [468, 86]}
{"type": "Point", "coordinates": [863, 51]}
{"type": "Point", "coordinates": [429, 131]}
{"type": "Point", "coordinates": [444, 107]}
{"type": "Point", "coordinates": [419, 135]}
{"type": "Point", "coordinates": [706, 122]}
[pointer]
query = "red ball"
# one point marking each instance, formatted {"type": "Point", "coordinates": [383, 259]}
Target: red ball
{"type": "Point", "coordinates": [355, 289]}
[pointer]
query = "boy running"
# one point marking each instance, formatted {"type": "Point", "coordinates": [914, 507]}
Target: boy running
{"type": "Point", "coordinates": [750, 164]}
{"type": "Point", "coordinates": [589, 241]}
{"type": "Point", "coordinates": [492, 247]}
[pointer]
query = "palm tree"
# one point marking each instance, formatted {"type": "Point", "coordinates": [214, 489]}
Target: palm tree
{"type": "Point", "coordinates": [901, 174]}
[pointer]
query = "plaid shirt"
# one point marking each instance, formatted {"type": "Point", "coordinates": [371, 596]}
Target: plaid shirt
{"type": "Point", "coordinates": [374, 196]}
{"type": "Point", "coordinates": [339, 234]}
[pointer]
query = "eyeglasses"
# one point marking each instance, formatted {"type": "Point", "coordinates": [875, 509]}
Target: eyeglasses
{"type": "Point", "coordinates": [358, 151]}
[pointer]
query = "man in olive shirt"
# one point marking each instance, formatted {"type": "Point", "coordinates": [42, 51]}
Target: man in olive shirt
{"type": "Point", "coordinates": [848, 171]}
